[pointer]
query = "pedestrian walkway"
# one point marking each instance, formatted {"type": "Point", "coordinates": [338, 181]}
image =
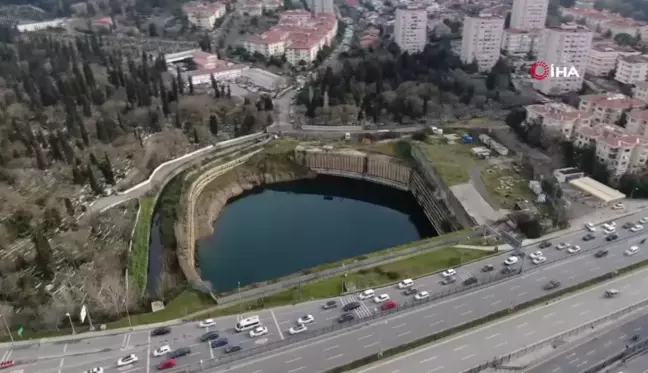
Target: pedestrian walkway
{"type": "Point", "coordinates": [463, 274]}
{"type": "Point", "coordinates": [361, 312]}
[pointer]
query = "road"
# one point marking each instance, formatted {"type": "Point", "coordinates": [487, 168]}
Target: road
{"type": "Point", "coordinates": [638, 364]}
{"type": "Point", "coordinates": [90, 352]}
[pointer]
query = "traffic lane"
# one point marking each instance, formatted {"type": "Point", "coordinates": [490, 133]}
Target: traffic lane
{"type": "Point", "coordinates": [100, 343]}
{"type": "Point", "coordinates": [635, 365]}
{"type": "Point", "coordinates": [80, 363]}
{"type": "Point", "coordinates": [26, 354]}
{"type": "Point", "coordinates": [450, 312]}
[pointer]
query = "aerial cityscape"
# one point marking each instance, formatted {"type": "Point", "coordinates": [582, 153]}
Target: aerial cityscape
{"type": "Point", "coordinates": [324, 186]}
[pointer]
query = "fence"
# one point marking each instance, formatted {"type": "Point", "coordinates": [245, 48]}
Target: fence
{"type": "Point", "coordinates": [553, 341]}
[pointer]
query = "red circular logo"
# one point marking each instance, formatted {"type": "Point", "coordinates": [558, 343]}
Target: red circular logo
{"type": "Point", "coordinates": [539, 70]}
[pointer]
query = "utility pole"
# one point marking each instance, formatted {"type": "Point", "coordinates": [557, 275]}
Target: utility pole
{"type": "Point", "coordinates": [8, 329]}
{"type": "Point", "coordinates": [71, 323]}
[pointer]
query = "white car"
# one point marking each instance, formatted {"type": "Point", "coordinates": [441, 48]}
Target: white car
{"type": "Point", "coordinates": [127, 360]}
{"type": "Point", "coordinates": [449, 273]}
{"type": "Point", "coordinates": [536, 254]}
{"type": "Point", "coordinates": [590, 227]}
{"type": "Point", "coordinates": [618, 206]}
{"type": "Point", "coordinates": [93, 370]}
{"type": "Point", "coordinates": [162, 350]}
{"type": "Point", "coordinates": [306, 319]}
{"type": "Point", "coordinates": [422, 295]}
{"type": "Point", "coordinates": [405, 283]}
{"type": "Point", "coordinates": [636, 228]}
{"type": "Point", "coordinates": [366, 294]}
{"type": "Point", "coordinates": [297, 329]}
{"type": "Point", "coordinates": [258, 331]}
{"type": "Point", "coordinates": [563, 245]}
{"type": "Point", "coordinates": [207, 323]}
{"type": "Point", "coordinates": [610, 226]}
{"type": "Point", "coordinates": [644, 220]}
{"type": "Point", "coordinates": [540, 259]}
{"type": "Point", "coordinates": [381, 298]}
{"type": "Point", "coordinates": [609, 231]}
{"type": "Point", "coordinates": [511, 260]}
{"type": "Point", "coordinates": [573, 249]}
{"type": "Point", "coordinates": [632, 250]}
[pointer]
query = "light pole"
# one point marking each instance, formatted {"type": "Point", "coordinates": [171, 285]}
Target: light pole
{"type": "Point", "coordinates": [126, 302]}
{"type": "Point", "coordinates": [7, 326]}
{"type": "Point", "coordinates": [71, 323]}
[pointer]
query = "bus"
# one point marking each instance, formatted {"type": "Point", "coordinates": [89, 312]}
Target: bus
{"type": "Point", "coordinates": [248, 323]}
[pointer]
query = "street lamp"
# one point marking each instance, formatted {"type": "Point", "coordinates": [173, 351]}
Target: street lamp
{"type": "Point", "coordinates": [71, 323]}
{"type": "Point", "coordinates": [8, 329]}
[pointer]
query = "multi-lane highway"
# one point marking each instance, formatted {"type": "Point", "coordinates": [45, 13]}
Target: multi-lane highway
{"type": "Point", "coordinates": [638, 364]}
{"type": "Point", "coordinates": [88, 353]}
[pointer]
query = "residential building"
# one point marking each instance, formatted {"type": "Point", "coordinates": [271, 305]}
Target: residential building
{"type": "Point", "coordinates": [321, 6]}
{"type": "Point", "coordinates": [640, 91]}
{"type": "Point", "coordinates": [529, 14]}
{"type": "Point", "coordinates": [38, 26]}
{"type": "Point", "coordinates": [631, 69]}
{"type": "Point", "coordinates": [603, 58]}
{"type": "Point", "coordinates": [410, 29]}
{"type": "Point", "coordinates": [203, 15]}
{"type": "Point", "coordinates": [568, 47]}
{"type": "Point", "coordinates": [607, 108]}
{"type": "Point", "coordinates": [593, 18]}
{"type": "Point", "coordinates": [520, 42]}
{"type": "Point", "coordinates": [481, 40]}
{"type": "Point", "coordinates": [637, 122]}
{"type": "Point", "coordinates": [622, 26]}
{"type": "Point", "coordinates": [621, 152]}
{"type": "Point", "coordinates": [557, 119]}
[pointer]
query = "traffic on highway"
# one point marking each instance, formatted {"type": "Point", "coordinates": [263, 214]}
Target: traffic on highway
{"type": "Point", "coordinates": [577, 266]}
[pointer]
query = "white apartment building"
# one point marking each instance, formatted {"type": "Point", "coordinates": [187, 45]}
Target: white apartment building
{"type": "Point", "coordinates": [410, 29]}
{"type": "Point", "coordinates": [638, 123]}
{"type": "Point", "coordinates": [607, 108]}
{"type": "Point", "coordinates": [203, 15]}
{"type": "Point", "coordinates": [621, 152]}
{"type": "Point", "coordinates": [603, 58]}
{"type": "Point", "coordinates": [558, 119]}
{"type": "Point", "coordinates": [322, 6]}
{"type": "Point", "coordinates": [38, 26]}
{"type": "Point", "coordinates": [640, 91]}
{"type": "Point", "coordinates": [631, 69]}
{"type": "Point", "coordinates": [520, 42]}
{"type": "Point", "coordinates": [481, 40]}
{"type": "Point", "coordinates": [567, 46]}
{"type": "Point", "coordinates": [529, 14]}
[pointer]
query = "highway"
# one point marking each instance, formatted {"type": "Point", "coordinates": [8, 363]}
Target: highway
{"type": "Point", "coordinates": [83, 354]}
{"type": "Point", "coordinates": [638, 364]}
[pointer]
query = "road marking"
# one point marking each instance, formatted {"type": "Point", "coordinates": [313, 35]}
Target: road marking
{"type": "Point", "coordinates": [607, 343]}
{"type": "Point", "coordinates": [541, 279]}
{"type": "Point", "coordinates": [468, 357]}
{"type": "Point", "coordinates": [403, 334]}
{"type": "Point", "coordinates": [594, 269]}
{"type": "Point", "coordinates": [570, 355]}
{"type": "Point", "coordinates": [62, 359]}
{"type": "Point", "coordinates": [489, 296]}
{"type": "Point", "coordinates": [585, 312]}
{"type": "Point", "coordinates": [465, 313]}
{"type": "Point", "coordinates": [365, 337]}
{"type": "Point", "coordinates": [257, 371]}
{"type": "Point", "coordinates": [297, 369]}
{"type": "Point", "coordinates": [428, 359]}
{"type": "Point", "coordinates": [581, 364]}
{"type": "Point", "coordinates": [590, 353]}
{"type": "Point", "coordinates": [555, 370]}
{"type": "Point", "coordinates": [529, 333]}
{"type": "Point", "coordinates": [435, 369]}
{"type": "Point", "coordinates": [330, 348]}
{"type": "Point", "coordinates": [461, 305]}
{"type": "Point", "coordinates": [548, 315]}
{"type": "Point", "coordinates": [494, 303]}
{"type": "Point", "coordinates": [332, 318]}
{"type": "Point", "coordinates": [522, 325]}
{"type": "Point", "coordinates": [399, 326]}
{"type": "Point", "coordinates": [492, 336]}
{"type": "Point", "coordinates": [148, 354]}
{"type": "Point", "coordinates": [623, 336]}
{"type": "Point", "coordinates": [636, 329]}
{"type": "Point", "coordinates": [125, 339]}
{"type": "Point", "coordinates": [428, 316]}
{"type": "Point", "coordinates": [573, 361]}
{"type": "Point", "coordinates": [293, 360]}
{"type": "Point", "coordinates": [371, 345]}
{"type": "Point", "coordinates": [501, 344]}
{"type": "Point", "coordinates": [4, 356]}
{"type": "Point", "coordinates": [572, 277]}
{"type": "Point", "coordinates": [576, 305]}
{"type": "Point", "coordinates": [522, 293]}
{"type": "Point", "coordinates": [276, 324]}
{"type": "Point", "coordinates": [436, 322]}
{"type": "Point", "coordinates": [335, 357]}
{"type": "Point", "coordinates": [516, 287]}
{"type": "Point", "coordinates": [211, 350]}
{"type": "Point", "coordinates": [559, 322]}
{"type": "Point", "coordinates": [460, 348]}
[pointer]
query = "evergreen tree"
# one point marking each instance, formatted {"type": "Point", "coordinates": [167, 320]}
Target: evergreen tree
{"type": "Point", "coordinates": [92, 180]}
{"type": "Point", "coordinates": [213, 124]}
{"type": "Point", "coordinates": [69, 207]}
{"type": "Point", "coordinates": [180, 81]}
{"type": "Point", "coordinates": [191, 87]}
{"type": "Point", "coordinates": [107, 170]}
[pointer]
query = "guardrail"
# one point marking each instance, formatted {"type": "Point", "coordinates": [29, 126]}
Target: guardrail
{"type": "Point", "coordinates": [629, 352]}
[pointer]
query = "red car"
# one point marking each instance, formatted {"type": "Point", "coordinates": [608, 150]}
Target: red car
{"type": "Point", "coordinates": [167, 364]}
{"type": "Point", "coordinates": [389, 305]}
{"type": "Point", "coordinates": [7, 364]}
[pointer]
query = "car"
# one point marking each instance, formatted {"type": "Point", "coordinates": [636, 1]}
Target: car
{"type": "Point", "coordinates": [544, 245]}
{"type": "Point", "coordinates": [306, 319]}
{"type": "Point", "coordinates": [590, 227]}
{"type": "Point", "coordinates": [611, 293]}
{"type": "Point", "coordinates": [643, 220]}
{"type": "Point", "coordinates": [628, 225]}
{"type": "Point", "coordinates": [381, 298]}
{"type": "Point", "coordinates": [408, 282]}
{"type": "Point", "coordinates": [511, 260]}
{"type": "Point", "coordinates": [351, 306]}
{"type": "Point", "coordinates": [207, 323]}
{"type": "Point", "coordinates": [330, 304]}
{"type": "Point", "coordinates": [93, 370]}
{"type": "Point", "coordinates": [636, 228]}
{"type": "Point", "coordinates": [449, 280]}
{"type": "Point", "coordinates": [10, 363]}
{"type": "Point", "coordinates": [449, 273]}
{"type": "Point", "coordinates": [540, 259]}
{"type": "Point", "coordinates": [345, 317]}
{"type": "Point", "coordinates": [507, 270]}
{"type": "Point", "coordinates": [422, 295]}
{"type": "Point", "coordinates": [610, 226]}
{"type": "Point", "coordinates": [183, 351]}
{"type": "Point", "coordinates": [389, 305]}
{"type": "Point", "coordinates": [562, 245]}
{"type": "Point", "coordinates": [536, 254]}
{"type": "Point", "coordinates": [609, 231]}
{"type": "Point", "coordinates": [369, 293]}
{"type": "Point", "coordinates": [127, 360]}
{"type": "Point", "coordinates": [160, 331]}
{"type": "Point", "coordinates": [410, 291]}
{"type": "Point", "coordinates": [258, 331]}
{"type": "Point", "coordinates": [470, 281]}
{"type": "Point", "coordinates": [573, 249]}
{"type": "Point", "coordinates": [612, 237]}
{"type": "Point", "coordinates": [209, 336]}
{"type": "Point", "coordinates": [589, 237]}
{"type": "Point", "coordinates": [231, 349]}
{"type": "Point", "coordinates": [618, 206]}
{"type": "Point", "coordinates": [632, 250]}
{"type": "Point", "coordinates": [552, 285]}
{"type": "Point", "coordinates": [488, 268]}
{"type": "Point", "coordinates": [220, 342]}
{"type": "Point", "coordinates": [601, 253]}
{"type": "Point", "coordinates": [162, 350]}
{"type": "Point", "coordinates": [297, 329]}
{"type": "Point", "coordinates": [167, 364]}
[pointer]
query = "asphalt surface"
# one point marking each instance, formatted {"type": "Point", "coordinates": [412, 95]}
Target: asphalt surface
{"type": "Point", "coordinates": [84, 354]}
{"type": "Point", "coordinates": [638, 364]}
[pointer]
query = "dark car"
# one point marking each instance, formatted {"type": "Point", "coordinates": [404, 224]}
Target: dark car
{"type": "Point", "coordinates": [449, 280]}
{"type": "Point", "coordinates": [552, 285]}
{"type": "Point", "coordinates": [220, 342]}
{"type": "Point", "coordinates": [628, 225]}
{"type": "Point", "coordinates": [601, 253]}
{"type": "Point", "coordinates": [612, 237]}
{"type": "Point", "coordinates": [160, 331]}
{"type": "Point", "coordinates": [544, 245]}
{"type": "Point", "coordinates": [231, 349]}
{"type": "Point", "coordinates": [507, 270]}
{"type": "Point", "coordinates": [410, 291]}
{"type": "Point", "coordinates": [351, 306]}
{"type": "Point", "coordinates": [470, 281]}
{"type": "Point", "coordinates": [589, 237]}
{"type": "Point", "coordinates": [488, 268]}
{"type": "Point", "coordinates": [345, 317]}
{"type": "Point", "coordinates": [330, 304]}
{"type": "Point", "coordinates": [182, 351]}
{"type": "Point", "coordinates": [209, 336]}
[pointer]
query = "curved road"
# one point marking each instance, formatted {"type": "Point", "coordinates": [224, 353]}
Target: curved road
{"type": "Point", "coordinates": [83, 354]}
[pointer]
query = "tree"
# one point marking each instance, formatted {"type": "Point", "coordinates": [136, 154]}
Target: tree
{"type": "Point", "coordinates": [107, 170]}
{"type": "Point", "coordinates": [213, 124]}
{"type": "Point", "coordinates": [44, 254]}
{"type": "Point", "coordinates": [92, 180]}
{"type": "Point", "coordinates": [191, 86]}
{"type": "Point", "coordinates": [69, 208]}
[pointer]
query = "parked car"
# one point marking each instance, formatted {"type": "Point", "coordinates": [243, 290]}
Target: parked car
{"type": "Point", "coordinates": [544, 245]}
{"type": "Point", "coordinates": [488, 268]}
{"type": "Point", "coordinates": [207, 323]}
{"type": "Point", "coordinates": [258, 331]}
{"type": "Point", "coordinates": [448, 280]}
{"type": "Point", "coordinates": [612, 293]}
{"type": "Point", "coordinates": [93, 370]}
{"type": "Point", "coordinates": [589, 237]}
{"type": "Point", "coordinates": [162, 350]}
{"type": "Point", "coordinates": [346, 317]}
{"type": "Point", "coordinates": [230, 349]}
{"type": "Point", "coordinates": [330, 304]}
{"type": "Point", "coordinates": [220, 342]}
{"type": "Point", "coordinates": [552, 285]}
{"type": "Point", "coordinates": [160, 331]}
{"type": "Point", "coordinates": [306, 319]}
{"type": "Point", "coordinates": [209, 336]}
{"type": "Point", "coordinates": [410, 291]}
{"type": "Point", "coordinates": [7, 364]}
{"type": "Point", "coordinates": [389, 305]}
{"type": "Point", "coordinates": [167, 364]}
{"type": "Point", "coordinates": [351, 306]}
{"type": "Point", "coordinates": [611, 237]}
{"type": "Point", "coordinates": [297, 329]}
{"type": "Point", "coordinates": [628, 225]}
{"type": "Point", "coordinates": [127, 360]}
{"type": "Point", "coordinates": [408, 282]}
{"type": "Point", "coordinates": [182, 351]}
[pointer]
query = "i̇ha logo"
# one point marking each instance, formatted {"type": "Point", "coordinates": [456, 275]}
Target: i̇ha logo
{"type": "Point", "coordinates": [540, 70]}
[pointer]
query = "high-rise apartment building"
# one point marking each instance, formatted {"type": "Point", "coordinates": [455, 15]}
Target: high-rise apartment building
{"type": "Point", "coordinates": [410, 29]}
{"type": "Point", "coordinates": [567, 48]}
{"type": "Point", "coordinates": [322, 6]}
{"type": "Point", "coordinates": [529, 14]}
{"type": "Point", "coordinates": [481, 40]}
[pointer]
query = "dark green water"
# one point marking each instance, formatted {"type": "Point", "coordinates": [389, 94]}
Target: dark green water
{"type": "Point", "coordinates": [284, 228]}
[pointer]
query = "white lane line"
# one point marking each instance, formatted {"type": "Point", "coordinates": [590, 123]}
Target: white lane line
{"type": "Point", "coordinates": [297, 369]}
{"type": "Point", "coordinates": [522, 293]}
{"type": "Point", "coordinates": [501, 344]}
{"type": "Point", "coordinates": [62, 359]}
{"type": "Point", "coordinates": [365, 337]}
{"type": "Point", "coordinates": [460, 348]}
{"type": "Point", "coordinates": [293, 360]}
{"type": "Point", "coordinates": [607, 343]}
{"type": "Point", "coordinates": [148, 354]}
{"type": "Point", "coordinates": [516, 287]}
{"type": "Point", "coordinates": [436, 322]}
{"type": "Point", "coordinates": [573, 361]}
{"type": "Point", "coordinates": [399, 326]}
{"type": "Point", "coordinates": [572, 277]}
{"type": "Point", "coordinates": [495, 303]}
{"type": "Point", "coordinates": [403, 334]}
{"type": "Point", "coordinates": [4, 356]}
{"type": "Point", "coordinates": [594, 269]}
{"type": "Point", "coordinates": [468, 357]}
{"type": "Point", "coordinates": [558, 322]}
{"type": "Point", "coordinates": [461, 305]}
{"type": "Point", "coordinates": [332, 318]}
{"type": "Point", "coordinates": [465, 313]}
{"type": "Point", "coordinates": [555, 370]}
{"type": "Point", "coordinates": [489, 296]}
{"type": "Point", "coordinates": [335, 357]}
{"type": "Point", "coordinates": [548, 315]}
{"type": "Point", "coordinates": [570, 355]}
{"type": "Point", "coordinates": [211, 350]}
{"type": "Point", "coordinates": [581, 364]}
{"type": "Point", "coordinates": [435, 369]}
{"type": "Point", "coordinates": [492, 336]}
{"type": "Point", "coordinates": [330, 348]}
{"type": "Point", "coordinates": [522, 325]}
{"type": "Point", "coordinates": [257, 371]}
{"type": "Point", "coordinates": [529, 333]}
{"type": "Point", "coordinates": [276, 324]}
{"type": "Point", "coordinates": [371, 345]}
{"type": "Point", "coordinates": [428, 316]}
{"type": "Point", "coordinates": [428, 359]}
{"type": "Point", "coordinates": [577, 305]}
{"type": "Point", "coordinates": [585, 312]}
{"type": "Point", "coordinates": [590, 353]}
{"type": "Point", "coordinates": [636, 329]}
{"type": "Point", "coordinates": [541, 279]}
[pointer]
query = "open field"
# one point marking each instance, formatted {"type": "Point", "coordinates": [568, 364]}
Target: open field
{"type": "Point", "coordinates": [505, 186]}
{"type": "Point", "coordinates": [452, 161]}
{"type": "Point", "coordinates": [138, 259]}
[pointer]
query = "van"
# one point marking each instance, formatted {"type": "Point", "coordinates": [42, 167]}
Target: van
{"type": "Point", "coordinates": [248, 324]}
{"type": "Point", "coordinates": [405, 283]}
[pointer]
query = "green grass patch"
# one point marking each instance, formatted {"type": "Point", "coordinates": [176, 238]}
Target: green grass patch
{"type": "Point", "coordinates": [451, 161]}
{"type": "Point", "coordinates": [138, 261]}
{"type": "Point", "coordinates": [169, 202]}
{"type": "Point", "coordinates": [506, 186]}
{"type": "Point", "coordinates": [281, 146]}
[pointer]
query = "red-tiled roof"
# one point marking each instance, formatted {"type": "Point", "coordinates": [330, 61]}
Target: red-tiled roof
{"type": "Point", "coordinates": [612, 136]}
{"type": "Point", "coordinates": [613, 101]}
{"type": "Point", "coordinates": [197, 6]}
{"type": "Point", "coordinates": [638, 115]}
{"type": "Point", "coordinates": [559, 111]}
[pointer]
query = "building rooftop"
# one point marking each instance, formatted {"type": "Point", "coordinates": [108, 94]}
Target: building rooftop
{"type": "Point", "coordinates": [612, 136]}
{"type": "Point", "coordinates": [613, 101]}
{"type": "Point", "coordinates": [199, 7]}
{"type": "Point", "coordinates": [558, 111]}
{"type": "Point", "coordinates": [609, 47]}
{"type": "Point", "coordinates": [634, 59]}
{"type": "Point", "coordinates": [638, 115]}
{"type": "Point", "coordinates": [570, 27]}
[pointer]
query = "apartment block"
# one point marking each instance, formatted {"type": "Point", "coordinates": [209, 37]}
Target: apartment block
{"type": "Point", "coordinates": [410, 29]}
{"type": "Point", "coordinates": [603, 58]}
{"type": "Point", "coordinates": [481, 40]}
{"type": "Point", "coordinates": [607, 108]}
{"type": "Point", "coordinates": [620, 151]}
{"type": "Point", "coordinates": [567, 46]}
{"type": "Point", "coordinates": [529, 14]}
{"type": "Point", "coordinates": [631, 69]}
{"type": "Point", "coordinates": [203, 15]}
{"type": "Point", "coordinates": [520, 42]}
{"type": "Point", "coordinates": [640, 91]}
{"type": "Point", "coordinates": [605, 20]}
{"type": "Point", "coordinates": [638, 123]}
{"type": "Point", "coordinates": [322, 6]}
{"type": "Point", "coordinates": [558, 119]}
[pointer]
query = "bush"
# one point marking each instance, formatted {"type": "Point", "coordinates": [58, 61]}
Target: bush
{"type": "Point", "coordinates": [393, 275]}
